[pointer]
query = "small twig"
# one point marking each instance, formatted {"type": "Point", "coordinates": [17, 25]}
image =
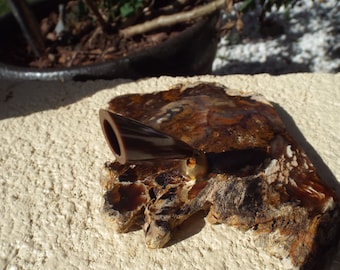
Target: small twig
{"type": "Point", "coordinates": [93, 7]}
{"type": "Point", "coordinates": [169, 20]}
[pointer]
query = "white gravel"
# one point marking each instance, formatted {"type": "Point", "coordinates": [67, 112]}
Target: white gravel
{"type": "Point", "coordinates": [310, 42]}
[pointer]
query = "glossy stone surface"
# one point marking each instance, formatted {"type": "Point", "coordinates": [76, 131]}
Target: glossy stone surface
{"type": "Point", "coordinates": [258, 177]}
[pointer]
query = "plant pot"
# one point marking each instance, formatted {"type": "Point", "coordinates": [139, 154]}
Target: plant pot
{"type": "Point", "coordinates": [190, 52]}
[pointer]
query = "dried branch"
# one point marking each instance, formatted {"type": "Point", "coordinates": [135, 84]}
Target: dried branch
{"type": "Point", "coordinates": [169, 20]}
{"type": "Point", "coordinates": [93, 7]}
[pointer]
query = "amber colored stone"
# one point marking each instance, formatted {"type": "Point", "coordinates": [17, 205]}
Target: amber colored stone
{"type": "Point", "coordinates": [258, 177]}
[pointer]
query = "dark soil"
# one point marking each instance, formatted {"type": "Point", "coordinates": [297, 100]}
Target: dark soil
{"type": "Point", "coordinates": [83, 41]}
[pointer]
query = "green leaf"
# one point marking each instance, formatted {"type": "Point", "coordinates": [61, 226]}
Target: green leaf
{"type": "Point", "coordinates": [3, 7]}
{"type": "Point", "coordinates": [248, 5]}
{"type": "Point", "coordinates": [130, 7]}
{"type": "Point", "coordinates": [126, 10]}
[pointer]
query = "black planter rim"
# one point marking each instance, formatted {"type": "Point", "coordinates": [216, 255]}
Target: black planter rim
{"type": "Point", "coordinates": [125, 67]}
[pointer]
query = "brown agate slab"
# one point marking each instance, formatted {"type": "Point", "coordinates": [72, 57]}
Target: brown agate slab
{"type": "Point", "coordinates": [257, 176]}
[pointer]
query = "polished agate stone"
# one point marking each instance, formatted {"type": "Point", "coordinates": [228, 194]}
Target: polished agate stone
{"type": "Point", "coordinates": [255, 175]}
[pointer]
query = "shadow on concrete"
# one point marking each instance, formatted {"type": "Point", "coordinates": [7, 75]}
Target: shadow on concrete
{"type": "Point", "coordinates": [21, 98]}
{"type": "Point", "coordinates": [271, 66]}
{"type": "Point", "coordinates": [323, 170]}
{"type": "Point", "coordinates": [188, 228]}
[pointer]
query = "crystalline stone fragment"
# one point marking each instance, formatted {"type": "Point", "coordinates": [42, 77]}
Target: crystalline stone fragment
{"type": "Point", "coordinates": [258, 177]}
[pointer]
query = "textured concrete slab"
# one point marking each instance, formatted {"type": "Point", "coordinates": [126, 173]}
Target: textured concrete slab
{"type": "Point", "coordinates": [51, 155]}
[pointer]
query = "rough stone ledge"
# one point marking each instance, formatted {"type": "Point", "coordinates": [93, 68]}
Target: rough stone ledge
{"type": "Point", "coordinates": [52, 151]}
